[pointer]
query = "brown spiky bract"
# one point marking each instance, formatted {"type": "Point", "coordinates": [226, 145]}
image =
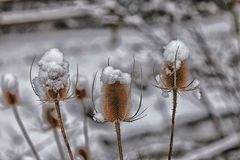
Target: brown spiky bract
{"type": "Point", "coordinates": [116, 101]}
{"type": "Point", "coordinates": [181, 76]}
{"type": "Point", "coordinates": [59, 95]}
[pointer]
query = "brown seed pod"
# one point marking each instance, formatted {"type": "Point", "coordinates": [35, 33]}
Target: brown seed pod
{"type": "Point", "coordinates": [83, 152]}
{"type": "Point", "coordinates": [11, 99]}
{"type": "Point", "coordinates": [116, 101]}
{"type": "Point", "coordinates": [181, 76]}
{"type": "Point", "coordinates": [81, 94]}
{"type": "Point", "coordinates": [49, 119]}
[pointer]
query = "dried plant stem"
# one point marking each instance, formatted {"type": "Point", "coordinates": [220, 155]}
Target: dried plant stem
{"type": "Point", "coordinates": [63, 130]}
{"type": "Point", "coordinates": [119, 139]}
{"type": "Point", "coordinates": [173, 123]}
{"type": "Point", "coordinates": [85, 128]}
{"type": "Point", "coordinates": [24, 132]}
{"type": "Point", "coordinates": [58, 142]}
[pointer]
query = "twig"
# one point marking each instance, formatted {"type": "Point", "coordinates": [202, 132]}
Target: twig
{"type": "Point", "coordinates": [24, 132]}
{"type": "Point", "coordinates": [213, 149]}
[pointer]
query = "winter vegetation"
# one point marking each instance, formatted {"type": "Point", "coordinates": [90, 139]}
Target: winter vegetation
{"type": "Point", "coordinates": [120, 80]}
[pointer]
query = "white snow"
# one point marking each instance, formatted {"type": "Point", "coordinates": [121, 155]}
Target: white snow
{"type": "Point", "coordinates": [9, 84]}
{"type": "Point", "coordinates": [111, 75]}
{"type": "Point", "coordinates": [98, 117]}
{"type": "Point", "coordinates": [176, 47]}
{"type": "Point", "coordinates": [53, 73]}
{"type": "Point", "coordinates": [81, 80]}
{"type": "Point", "coordinates": [196, 83]}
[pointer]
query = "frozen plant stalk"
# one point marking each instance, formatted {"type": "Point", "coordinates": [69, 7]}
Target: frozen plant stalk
{"type": "Point", "coordinates": [10, 97]}
{"type": "Point", "coordinates": [175, 78]}
{"type": "Point", "coordinates": [116, 101]}
{"type": "Point", "coordinates": [51, 84]}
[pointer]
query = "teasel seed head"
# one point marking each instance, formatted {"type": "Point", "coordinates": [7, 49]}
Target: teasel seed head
{"type": "Point", "coordinates": [81, 86]}
{"type": "Point", "coordinates": [181, 76]}
{"type": "Point", "coordinates": [52, 80]}
{"type": "Point", "coordinates": [116, 98]}
{"type": "Point", "coordinates": [82, 153]}
{"type": "Point", "coordinates": [10, 91]}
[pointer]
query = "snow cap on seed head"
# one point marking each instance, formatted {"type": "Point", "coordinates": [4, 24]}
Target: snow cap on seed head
{"type": "Point", "coordinates": [170, 52]}
{"type": "Point", "coordinates": [53, 73]}
{"type": "Point", "coordinates": [10, 91]}
{"type": "Point", "coordinates": [111, 75]}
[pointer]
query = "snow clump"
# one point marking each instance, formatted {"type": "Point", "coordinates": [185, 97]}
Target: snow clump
{"type": "Point", "coordinates": [53, 73]}
{"type": "Point", "coordinates": [111, 75]}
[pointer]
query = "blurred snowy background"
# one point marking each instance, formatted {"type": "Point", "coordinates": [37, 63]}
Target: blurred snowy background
{"type": "Point", "coordinates": [88, 32]}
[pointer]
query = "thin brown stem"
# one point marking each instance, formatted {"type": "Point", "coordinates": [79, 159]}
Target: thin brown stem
{"type": "Point", "coordinates": [173, 124]}
{"type": "Point", "coordinates": [119, 139]}
{"type": "Point", "coordinates": [58, 143]}
{"type": "Point", "coordinates": [24, 132]}
{"type": "Point", "coordinates": [63, 130]}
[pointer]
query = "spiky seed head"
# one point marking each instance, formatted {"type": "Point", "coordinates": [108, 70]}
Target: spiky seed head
{"type": "Point", "coordinates": [181, 76]}
{"type": "Point", "coordinates": [10, 91]}
{"type": "Point", "coordinates": [82, 86]}
{"type": "Point", "coordinates": [116, 101]}
{"type": "Point", "coordinates": [83, 153]}
{"type": "Point", "coordinates": [52, 80]}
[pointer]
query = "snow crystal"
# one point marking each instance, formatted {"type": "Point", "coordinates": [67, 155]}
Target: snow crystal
{"type": "Point", "coordinates": [82, 82]}
{"type": "Point", "coordinates": [98, 117]}
{"type": "Point", "coordinates": [111, 75]}
{"type": "Point", "coordinates": [170, 52]}
{"type": "Point", "coordinates": [9, 84]}
{"type": "Point", "coordinates": [53, 73]}
{"type": "Point", "coordinates": [197, 93]}
{"type": "Point", "coordinates": [196, 84]}
{"type": "Point", "coordinates": [165, 94]}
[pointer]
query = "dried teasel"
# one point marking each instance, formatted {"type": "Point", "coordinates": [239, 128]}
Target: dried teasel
{"type": "Point", "coordinates": [50, 116]}
{"type": "Point", "coordinates": [10, 92]}
{"type": "Point", "coordinates": [174, 78]}
{"type": "Point", "coordinates": [10, 97]}
{"type": "Point", "coordinates": [52, 84]}
{"type": "Point", "coordinates": [81, 86]}
{"type": "Point", "coordinates": [82, 153]}
{"type": "Point", "coordinates": [175, 72]}
{"type": "Point", "coordinates": [116, 100]}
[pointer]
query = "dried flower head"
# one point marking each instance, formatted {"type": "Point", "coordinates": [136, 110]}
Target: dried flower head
{"type": "Point", "coordinates": [52, 80]}
{"type": "Point", "coordinates": [81, 86]}
{"type": "Point", "coordinates": [82, 153]}
{"type": "Point", "coordinates": [116, 103]}
{"type": "Point", "coordinates": [175, 70]}
{"type": "Point", "coordinates": [116, 97]}
{"type": "Point", "coordinates": [10, 92]}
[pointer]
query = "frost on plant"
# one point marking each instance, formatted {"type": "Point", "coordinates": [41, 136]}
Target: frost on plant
{"type": "Point", "coordinates": [52, 76]}
{"type": "Point", "coordinates": [170, 55]}
{"type": "Point", "coordinates": [111, 75]}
